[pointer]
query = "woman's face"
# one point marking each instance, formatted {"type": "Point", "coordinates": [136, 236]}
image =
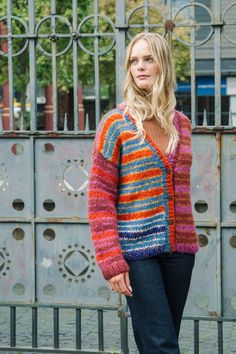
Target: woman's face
{"type": "Point", "coordinates": [142, 65]}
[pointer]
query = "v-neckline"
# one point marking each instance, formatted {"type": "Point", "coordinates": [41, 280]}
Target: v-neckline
{"type": "Point", "coordinates": [164, 157]}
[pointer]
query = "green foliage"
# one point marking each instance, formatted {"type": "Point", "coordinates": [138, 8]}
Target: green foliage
{"type": "Point", "coordinates": [85, 61]}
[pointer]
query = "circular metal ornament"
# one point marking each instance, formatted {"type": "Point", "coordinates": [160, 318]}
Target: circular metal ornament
{"type": "Point", "coordinates": [23, 36]}
{"type": "Point", "coordinates": [192, 25]}
{"type": "Point", "coordinates": [160, 26]}
{"type": "Point", "coordinates": [72, 177]}
{"type": "Point", "coordinates": [227, 24]}
{"type": "Point", "coordinates": [96, 34]}
{"type": "Point", "coordinates": [54, 36]}
{"type": "Point", "coordinates": [76, 263]}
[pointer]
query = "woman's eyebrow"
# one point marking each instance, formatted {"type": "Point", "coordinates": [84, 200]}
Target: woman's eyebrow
{"type": "Point", "coordinates": [144, 56]}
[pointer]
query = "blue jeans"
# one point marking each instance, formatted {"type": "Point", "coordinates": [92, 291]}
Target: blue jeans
{"type": "Point", "coordinates": [160, 288]}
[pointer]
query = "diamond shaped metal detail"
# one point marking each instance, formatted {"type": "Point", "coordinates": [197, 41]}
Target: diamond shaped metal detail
{"type": "Point", "coordinates": [75, 178]}
{"type": "Point", "coordinates": [76, 263]}
{"type": "Point", "coordinates": [2, 261]}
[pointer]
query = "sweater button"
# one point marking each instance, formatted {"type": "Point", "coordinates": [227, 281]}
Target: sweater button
{"type": "Point", "coordinates": [170, 221]}
{"type": "Point", "coordinates": [169, 197]}
{"type": "Point", "coordinates": [168, 171]}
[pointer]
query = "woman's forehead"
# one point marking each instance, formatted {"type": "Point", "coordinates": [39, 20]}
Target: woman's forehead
{"type": "Point", "coordinates": [141, 47]}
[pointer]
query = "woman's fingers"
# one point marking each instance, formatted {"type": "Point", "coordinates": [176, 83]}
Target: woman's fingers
{"type": "Point", "coordinates": [120, 284]}
{"type": "Point", "coordinates": [127, 281]}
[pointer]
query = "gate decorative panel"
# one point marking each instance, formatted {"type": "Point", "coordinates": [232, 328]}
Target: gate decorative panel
{"type": "Point", "coordinates": [15, 178]}
{"type": "Point", "coordinates": [17, 263]}
{"type": "Point", "coordinates": [62, 167]}
{"type": "Point", "coordinates": [66, 268]}
{"type": "Point", "coordinates": [228, 275]}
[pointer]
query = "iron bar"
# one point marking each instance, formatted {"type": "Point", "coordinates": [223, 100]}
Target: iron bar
{"type": "Point", "coordinates": [124, 334]}
{"type": "Point", "coordinates": [96, 63]}
{"type": "Point", "coordinates": [10, 65]}
{"type": "Point", "coordinates": [100, 330]}
{"type": "Point", "coordinates": [217, 56]}
{"type": "Point", "coordinates": [220, 337]}
{"type": "Point", "coordinates": [196, 336]}
{"type": "Point", "coordinates": [32, 67]}
{"type": "Point", "coordinates": [193, 73]}
{"type": "Point", "coordinates": [75, 68]}
{"type": "Point", "coordinates": [120, 48]}
{"type": "Point", "coordinates": [218, 227]}
{"type": "Point", "coordinates": [12, 326]}
{"type": "Point", "coordinates": [34, 327]}
{"type": "Point", "coordinates": [145, 17]}
{"type": "Point", "coordinates": [78, 328]}
{"type": "Point", "coordinates": [54, 68]}
{"type": "Point", "coordinates": [56, 327]}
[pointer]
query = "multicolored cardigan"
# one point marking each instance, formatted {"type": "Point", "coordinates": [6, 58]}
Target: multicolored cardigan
{"type": "Point", "coordinates": [139, 198]}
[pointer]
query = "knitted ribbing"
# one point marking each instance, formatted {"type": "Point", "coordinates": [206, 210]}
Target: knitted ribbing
{"type": "Point", "coordinates": [156, 133]}
{"type": "Point", "coordinates": [139, 200]}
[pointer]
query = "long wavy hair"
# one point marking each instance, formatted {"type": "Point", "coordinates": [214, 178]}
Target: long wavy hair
{"type": "Point", "coordinates": [160, 101]}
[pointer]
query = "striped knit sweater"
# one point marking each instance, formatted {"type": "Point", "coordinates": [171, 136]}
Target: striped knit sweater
{"type": "Point", "coordinates": [139, 201]}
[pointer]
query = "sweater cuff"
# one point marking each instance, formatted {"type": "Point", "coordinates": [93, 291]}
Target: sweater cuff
{"type": "Point", "coordinates": [115, 269]}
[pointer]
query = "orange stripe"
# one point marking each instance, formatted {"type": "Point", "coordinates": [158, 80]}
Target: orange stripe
{"type": "Point", "coordinates": [127, 135]}
{"type": "Point", "coordinates": [101, 214]}
{"type": "Point", "coordinates": [105, 255]}
{"type": "Point", "coordinates": [141, 195]}
{"type": "Point", "coordinates": [141, 214]}
{"type": "Point", "coordinates": [133, 177]}
{"type": "Point", "coordinates": [105, 128]}
{"type": "Point", "coordinates": [141, 154]}
{"type": "Point", "coordinates": [101, 194]}
{"type": "Point", "coordinates": [104, 234]}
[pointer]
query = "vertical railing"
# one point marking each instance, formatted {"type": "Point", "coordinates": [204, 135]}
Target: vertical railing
{"type": "Point", "coordinates": [32, 38]}
{"type": "Point", "coordinates": [54, 65]}
{"type": "Point", "coordinates": [120, 47]}
{"type": "Point", "coordinates": [217, 56]}
{"type": "Point", "coordinates": [75, 66]}
{"type": "Point", "coordinates": [79, 346]}
{"type": "Point", "coordinates": [32, 67]}
{"type": "Point", "coordinates": [96, 62]}
{"type": "Point", "coordinates": [10, 65]}
{"type": "Point", "coordinates": [194, 117]}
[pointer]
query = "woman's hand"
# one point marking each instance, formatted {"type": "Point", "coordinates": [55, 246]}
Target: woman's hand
{"type": "Point", "coordinates": [121, 284]}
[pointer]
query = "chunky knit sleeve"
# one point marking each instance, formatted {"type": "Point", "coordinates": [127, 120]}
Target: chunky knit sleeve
{"type": "Point", "coordinates": [102, 200]}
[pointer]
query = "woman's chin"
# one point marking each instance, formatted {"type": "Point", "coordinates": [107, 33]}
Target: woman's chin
{"type": "Point", "coordinates": [144, 87]}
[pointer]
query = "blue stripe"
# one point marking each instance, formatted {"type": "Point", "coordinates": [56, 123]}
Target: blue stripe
{"type": "Point", "coordinates": [135, 235]}
{"type": "Point", "coordinates": [132, 145]}
{"type": "Point", "coordinates": [139, 183]}
{"type": "Point", "coordinates": [144, 186]}
{"type": "Point", "coordinates": [142, 244]}
{"type": "Point", "coordinates": [140, 223]}
{"type": "Point", "coordinates": [137, 166]}
{"type": "Point", "coordinates": [143, 254]}
{"type": "Point", "coordinates": [135, 206]}
{"type": "Point", "coordinates": [113, 136]}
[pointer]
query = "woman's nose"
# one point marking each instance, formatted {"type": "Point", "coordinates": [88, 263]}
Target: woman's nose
{"type": "Point", "coordinates": [140, 65]}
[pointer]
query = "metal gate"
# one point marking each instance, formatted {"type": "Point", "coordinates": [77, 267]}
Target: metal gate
{"type": "Point", "coordinates": [46, 255]}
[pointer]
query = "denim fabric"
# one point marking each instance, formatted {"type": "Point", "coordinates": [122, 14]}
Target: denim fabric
{"type": "Point", "coordinates": [160, 288]}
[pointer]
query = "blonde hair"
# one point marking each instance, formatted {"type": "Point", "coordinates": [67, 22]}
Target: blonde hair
{"type": "Point", "coordinates": [160, 102]}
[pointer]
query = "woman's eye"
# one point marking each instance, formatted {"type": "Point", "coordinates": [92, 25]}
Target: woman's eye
{"type": "Point", "coordinates": [149, 60]}
{"type": "Point", "coordinates": [133, 61]}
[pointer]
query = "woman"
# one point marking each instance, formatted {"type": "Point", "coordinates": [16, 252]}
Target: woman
{"type": "Point", "coordinates": [139, 197]}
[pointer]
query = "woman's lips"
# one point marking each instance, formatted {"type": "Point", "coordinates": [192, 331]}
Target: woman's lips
{"type": "Point", "coordinates": [142, 77]}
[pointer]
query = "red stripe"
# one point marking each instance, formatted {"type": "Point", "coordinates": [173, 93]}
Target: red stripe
{"type": "Point", "coordinates": [141, 214]}
{"type": "Point", "coordinates": [140, 195]}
